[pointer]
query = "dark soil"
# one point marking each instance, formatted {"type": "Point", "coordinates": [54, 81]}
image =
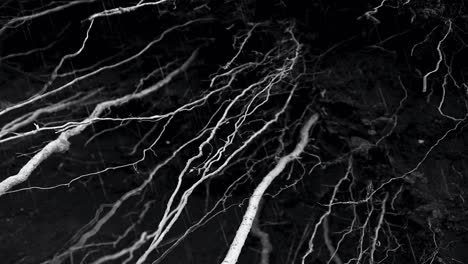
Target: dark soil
{"type": "Point", "coordinates": [363, 77]}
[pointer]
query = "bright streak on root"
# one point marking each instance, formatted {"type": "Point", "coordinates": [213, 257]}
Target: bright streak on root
{"type": "Point", "coordinates": [61, 144]}
{"type": "Point", "coordinates": [17, 21]}
{"type": "Point", "coordinates": [122, 10]}
{"type": "Point", "coordinates": [246, 38]}
{"type": "Point", "coordinates": [328, 242]}
{"type": "Point", "coordinates": [328, 212]}
{"type": "Point", "coordinates": [377, 229]}
{"type": "Point", "coordinates": [370, 14]}
{"type": "Point", "coordinates": [441, 56]}
{"type": "Point", "coordinates": [264, 237]}
{"type": "Point", "coordinates": [54, 75]}
{"type": "Point", "coordinates": [249, 216]}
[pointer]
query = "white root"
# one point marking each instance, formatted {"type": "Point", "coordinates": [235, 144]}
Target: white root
{"type": "Point", "coordinates": [249, 216]}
